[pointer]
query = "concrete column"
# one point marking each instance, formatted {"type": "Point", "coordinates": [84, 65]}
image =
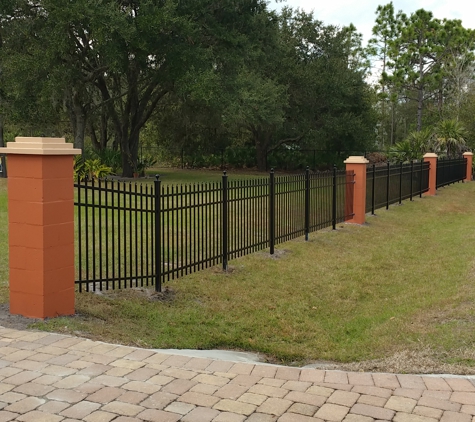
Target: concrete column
{"type": "Point", "coordinates": [41, 226]}
{"type": "Point", "coordinates": [432, 159]}
{"type": "Point", "coordinates": [357, 165]}
{"type": "Point", "coordinates": [469, 157]}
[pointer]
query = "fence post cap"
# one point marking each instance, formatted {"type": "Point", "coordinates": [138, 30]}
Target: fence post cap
{"type": "Point", "coordinates": [40, 146]}
{"type": "Point", "coordinates": [356, 159]}
{"type": "Point", "coordinates": [430, 155]}
{"type": "Point", "coordinates": [467, 153]}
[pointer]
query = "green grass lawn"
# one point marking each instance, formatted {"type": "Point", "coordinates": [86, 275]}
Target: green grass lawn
{"type": "Point", "coordinates": [176, 176]}
{"type": "Point", "coordinates": [405, 281]}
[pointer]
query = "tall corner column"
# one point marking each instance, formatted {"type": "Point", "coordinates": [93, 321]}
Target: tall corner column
{"type": "Point", "coordinates": [431, 158]}
{"type": "Point", "coordinates": [469, 157]}
{"type": "Point", "coordinates": [357, 165]}
{"type": "Point", "coordinates": [41, 226]}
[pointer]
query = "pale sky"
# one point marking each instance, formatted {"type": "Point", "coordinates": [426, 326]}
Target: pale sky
{"type": "Point", "coordinates": [362, 12]}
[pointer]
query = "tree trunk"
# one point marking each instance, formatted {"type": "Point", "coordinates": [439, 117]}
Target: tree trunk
{"type": "Point", "coordinates": [77, 116]}
{"type": "Point", "coordinates": [130, 150]}
{"type": "Point", "coordinates": [262, 142]}
{"type": "Point", "coordinates": [261, 158]}
{"type": "Point", "coordinates": [420, 95]}
{"type": "Point", "coordinates": [2, 140]}
{"type": "Point", "coordinates": [3, 163]}
{"type": "Point", "coordinates": [393, 117]}
{"type": "Point", "coordinates": [80, 130]}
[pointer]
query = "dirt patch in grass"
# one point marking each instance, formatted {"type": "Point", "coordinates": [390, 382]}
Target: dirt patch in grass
{"type": "Point", "coordinates": [278, 254]}
{"type": "Point", "coordinates": [425, 361]}
{"type": "Point", "coordinates": [167, 295]}
{"type": "Point", "coordinates": [16, 322]}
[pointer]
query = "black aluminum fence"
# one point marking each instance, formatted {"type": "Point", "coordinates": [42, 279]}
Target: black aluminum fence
{"type": "Point", "coordinates": [135, 235]}
{"type": "Point", "coordinates": [3, 166]}
{"type": "Point", "coordinates": [389, 184]}
{"type": "Point", "coordinates": [450, 171]}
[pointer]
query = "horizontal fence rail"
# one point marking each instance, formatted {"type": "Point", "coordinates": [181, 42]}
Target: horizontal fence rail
{"type": "Point", "coordinates": [136, 235]}
{"type": "Point", "coordinates": [450, 171]}
{"type": "Point", "coordinates": [390, 184]}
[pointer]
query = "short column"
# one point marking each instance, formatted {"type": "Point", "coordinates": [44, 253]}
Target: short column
{"type": "Point", "coordinates": [469, 157]}
{"type": "Point", "coordinates": [357, 165]}
{"type": "Point", "coordinates": [431, 158]}
{"type": "Point", "coordinates": [41, 226]}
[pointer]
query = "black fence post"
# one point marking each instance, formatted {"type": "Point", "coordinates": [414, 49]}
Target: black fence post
{"type": "Point", "coordinates": [272, 211]}
{"type": "Point", "coordinates": [86, 223]}
{"type": "Point", "coordinates": [79, 244]}
{"type": "Point", "coordinates": [224, 219]}
{"type": "Point", "coordinates": [157, 240]}
{"type": "Point", "coordinates": [400, 183]}
{"type": "Point", "coordinates": [307, 202]}
{"type": "Point", "coordinates": [387, 187]}
{"type": "Point", "coordinates": [441, 166]}
{"type": "Point", "coordinates": [3, 166]}
{"type": "Point", "coordinates": [373, 200]}
{"type": "Point", "coordinates": [412, 179]}
{"type": "Point", "coordinates": [420, 180]}
{"type": "Point", "coordinates": [334, 199]}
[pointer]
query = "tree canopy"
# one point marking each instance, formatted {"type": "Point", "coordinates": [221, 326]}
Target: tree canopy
{"type": "Point", "coordinates": [209, 74]}
{"type": "Point", "coordinates": [425, 69]}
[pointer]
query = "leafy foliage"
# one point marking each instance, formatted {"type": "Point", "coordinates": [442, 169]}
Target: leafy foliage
{"type": "Point", "coordinates": [425, 67]}
{"type": "Point", "coordinates": [451, 137]}
{"type": "Point", "coordinates": [447, 139]}
{"type": "Point", "coordinates": [413, 147]}
{"type": "Point", "coordinates": [89, 169]}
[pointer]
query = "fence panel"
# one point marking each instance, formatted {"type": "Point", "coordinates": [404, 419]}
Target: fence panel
{"type": "Point", "coordinates": [248, 216]}
{"type": "Point", "coordinates": [135, 235]}
{"type": "Point", "coordinates": [450, 171]}
{"type": "Point", "coordinates": [289, 207]}
{"type": "Point", "coordinates": [115, 245]}
{"type": "Point", "coordinates": [191, 228]}
{"type": "Point", "coordinates": [390, 184]}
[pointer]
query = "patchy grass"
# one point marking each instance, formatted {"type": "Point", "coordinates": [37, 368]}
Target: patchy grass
{"type": "Point", "coordinates": [404, 283]}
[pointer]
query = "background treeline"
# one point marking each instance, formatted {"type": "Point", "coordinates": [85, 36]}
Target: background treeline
{"type": "Point", "coordinates": [139, 80]}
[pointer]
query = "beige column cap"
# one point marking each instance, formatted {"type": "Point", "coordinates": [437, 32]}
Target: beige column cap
{"type": "Point", "coordinates": [430, 155]}
{"type": "Point", "coordinates": [467, 153]}
{"type": "Point", "coordinates": [356, 159]}
{"type": "Point", "coordinates": [40, 146]}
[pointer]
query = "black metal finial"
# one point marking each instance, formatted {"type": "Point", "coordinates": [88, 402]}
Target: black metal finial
{"type": "Point", "coordinates": [157, 177]}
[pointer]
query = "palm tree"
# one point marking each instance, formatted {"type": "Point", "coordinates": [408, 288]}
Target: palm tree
{"type": "Point", "coordinates": [451, 137]}
{"type": "Point", "coordinates": [413, 147]}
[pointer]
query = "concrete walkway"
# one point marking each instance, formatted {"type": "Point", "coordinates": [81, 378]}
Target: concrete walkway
{"type": "Point", "coordinates": [51, 377]}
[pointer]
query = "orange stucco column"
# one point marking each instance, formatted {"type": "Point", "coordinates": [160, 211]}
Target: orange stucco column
{"type": "Point", "coordinates": [357, 165]}
{"type": "Point", "coordinates": [469, 157]}
{"type": "Point", "coordinates": [41, 226]}
{"type": "Point", "coordinates": [432, 159]}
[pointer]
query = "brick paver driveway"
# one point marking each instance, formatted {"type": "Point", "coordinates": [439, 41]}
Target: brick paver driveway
{"type": "Point", "coordinates": [51, 377]}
